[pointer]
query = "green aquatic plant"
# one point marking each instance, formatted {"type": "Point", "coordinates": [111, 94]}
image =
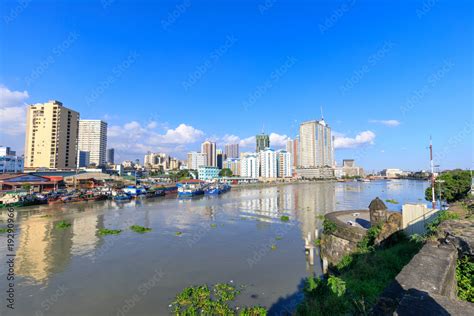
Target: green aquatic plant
{"type": "Point", "coordinates": [278, 238]}
{"type": "Point", "coordinates": [285, 218]}
{"type": "Point", "coordinates": [63, 225]}
{"type": "Point", "coordinates": [3, 230]}
{"type": "Point", "coordinates": [105, 231]}
{"type": "Point", "coordinates": [273, 247]}
{"type": "Point", "coordinates": [179, 233]}
{"type": "Point", "coordinates": [201, 300]}
{"type": "Point", "coordinates": [213, 225]}
{"type": "Point", "coordinates": [140, 229]}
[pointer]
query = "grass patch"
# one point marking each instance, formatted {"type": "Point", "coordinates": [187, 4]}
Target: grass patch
{"type": "Point", "coordinates": [63, 225]}
{"type": "Point", "coordinates": [201, 300]}
{"type": "Point", "coordinates": [105, 231]}
{"type": "Point", "coordinates": [391, 201]}
{"type": "Point", "coordinates": [356, 284]}
{"type": "Point", "coordinates": [140, 229]}
{"type": "Point", "coordinates": [285, 218]}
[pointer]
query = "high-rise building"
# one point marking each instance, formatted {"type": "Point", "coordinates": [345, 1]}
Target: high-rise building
{"type": "Point", "coordinates": [51, 136]}
{"type": "Point", "coordinates": [220, 157]}
{"type": "Point", "coordinates": [249, 166]}
{"type": "Point", "coordinates": [263, 141]}
{"type": "Point", "coordinates": [84, 159]}
{"type": "Point", "coordinates": [285, 165]}
{"type": "Point", "coordinates": [93, 138]}
{"type": "Point", "coordinates": [209, 148]}
{"type": "Point", "coordinates": [233, 164]}
{"type": "Point", "coordinates": [316, 145]}
{"type": "Point", "coordinates": [268, 163]}
{"type": "Point", "coordinates": [293, 147]}
{"type": "Point", "coordinates": [9, 161]}
{"type": "Point", "coordinates": [110, 156]}
{"type": "Point", "coordinates": [231, 150]}
{"type": "Point", "coordinates": [196, 160]}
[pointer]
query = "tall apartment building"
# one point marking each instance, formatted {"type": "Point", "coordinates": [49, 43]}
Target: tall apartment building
{"type": "Point", "coordinates": [316, 145]}
{"type": "Point", "coordinates": [285, 164]}
{"type": "Point", "coordinates": [293, 147]}
{"type": "Point", "coordinates": [250, 166]}
{"type": "Point", "coordinates": [196, 160]}
{"type": "Point", "coordinates": [209, 148]}
{"type": "Point", "coordinates": [220, 157]}
{"type": "Point", "coordinates": [51, 136]}
{"type": "Point", "coordinates": [231, 151]}
{"type": "Point", "coordinates": [110, 156]}
{"type": "Point", "coordinates": [93, 138]}
{"type": "Point", "coordinates": [268, 163]}
{"type": "Point", "coordinates": [233, 164]}
{"type": "Point", "coordinates": [263, 141]}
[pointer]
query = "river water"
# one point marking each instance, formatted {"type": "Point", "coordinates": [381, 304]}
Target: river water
{"type": "Point", "coordinates": [235, 238]}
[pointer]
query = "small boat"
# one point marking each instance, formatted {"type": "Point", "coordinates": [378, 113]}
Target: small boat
{"type": "Point", "coordinates": [217, 189]}
{"type": "Point", "coordinates": [134, 190]}
{"type": "Point", "coordinates": [154, 193]}
{"type": "Point", "coordinates": [190, 188]}
{"type": "Point", "coordinates": [122, 197]}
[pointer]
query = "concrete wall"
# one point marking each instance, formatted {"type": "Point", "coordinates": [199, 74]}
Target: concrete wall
{"type": "Point", "coordinates": [415, 217]}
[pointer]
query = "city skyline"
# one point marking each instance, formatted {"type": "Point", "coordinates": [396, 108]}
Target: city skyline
{"type": "Point", "coordinates": [383, 97]}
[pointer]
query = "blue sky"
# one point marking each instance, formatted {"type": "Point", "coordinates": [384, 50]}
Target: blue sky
{"type": "Point", "coordinates": [167, 75]}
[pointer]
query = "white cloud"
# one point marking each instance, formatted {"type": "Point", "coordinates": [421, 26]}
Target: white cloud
{"type": "Point", "coordinates": [248, 142]}
{"type": "Point", "coordinates": [363, 138]}
{"type": "Point", "coordinates": [12, 111]}
{"type": "Point", "coordinates": [230, 139]}
{"type": "Point", "coordinates": [277, 140]}
{"type": "Point", "coordinates": [389, 123]}
{"type": "Point", "coordinates": [10, 98]}
{"type": "Point", "coordinates": [183, 134]}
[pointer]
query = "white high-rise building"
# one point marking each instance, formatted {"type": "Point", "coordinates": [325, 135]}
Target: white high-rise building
{"type": "Point", "coordinates": [196, 160]}
{"type": "Point", "coordinates": [93, 138]}
{"type": "Point", "coordinates": [250, 166]}
{"type": "Point", "coordinates": [285, 164]}
{"type": "Point", "coordinates": [316, 145]}
{"type": "Point", "coordinates": [268, 163]}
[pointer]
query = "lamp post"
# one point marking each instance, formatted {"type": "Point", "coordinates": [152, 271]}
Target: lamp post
{"type": "Point", "coordinates": [439, 192]}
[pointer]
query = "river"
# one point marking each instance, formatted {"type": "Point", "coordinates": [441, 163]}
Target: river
{"type": "Point", "coordinates": [235, 238]}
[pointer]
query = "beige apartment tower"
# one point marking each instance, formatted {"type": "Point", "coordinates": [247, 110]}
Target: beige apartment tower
{"type": "Point", "coordinates": [51, 136]}
{"type": "Point", "coordinates": [316, 145]}
{"type": "Point", "coordinates": [93, 139]}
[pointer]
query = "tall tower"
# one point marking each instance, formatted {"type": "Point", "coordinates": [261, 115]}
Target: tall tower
{"type": "Point", "coordinates": [93, 138]}
{"type": "Point", "coordinates": [316, 145]}
{"type": "Point", "coordinates": [51, 136]}
{"type": "Point", "coordinates": [209, 148]}
{"type": "Point", "coordinates": [263, 141]}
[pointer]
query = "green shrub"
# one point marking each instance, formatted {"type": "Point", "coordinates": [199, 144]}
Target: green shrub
{"type": "Point", "coordinates": [465, 278]}
{"type": "Point", "coordinates": [432, 227]}
{"type": "Point", "coordinates": [329, 226]}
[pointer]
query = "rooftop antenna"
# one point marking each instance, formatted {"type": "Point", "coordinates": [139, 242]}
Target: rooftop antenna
{"type": "Point", "coordinates": [263, 128]}
{"type": "Point", "coordinates": [322, 115]}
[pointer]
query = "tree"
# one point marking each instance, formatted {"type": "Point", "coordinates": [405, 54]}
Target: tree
{"type": "Point", "coordinates": [226, 172]}
{"type": "Point", "coordinates": [455, 187]}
